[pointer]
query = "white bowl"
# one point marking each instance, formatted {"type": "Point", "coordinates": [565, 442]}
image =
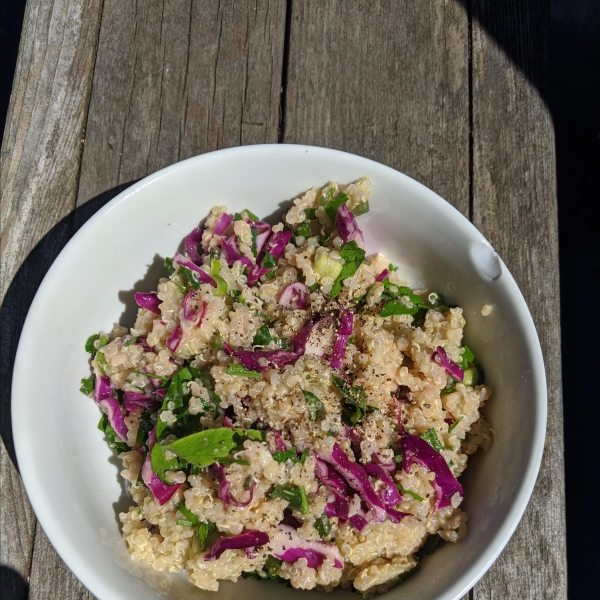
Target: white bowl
{"type": "Point", "coordinates": [69, 472]}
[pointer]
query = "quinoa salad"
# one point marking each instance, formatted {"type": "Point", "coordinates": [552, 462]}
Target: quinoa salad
{"type": "Point", "coordinates": [286, 407]}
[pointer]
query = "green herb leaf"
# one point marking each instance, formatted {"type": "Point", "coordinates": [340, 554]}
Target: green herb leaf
{"type": "Point", "coordinates": [256, 435]}
{"type": "Point", "coordinates": [253, 233]}
{"type": "Point", "coordinates": [130, 341]}
{"type": "Point", "coordinates": [188, 514]}
{"type": "Point", "coordinates": [205, 447]}
{"type": "Point", "coordinates": [102, 423]}
{"type": "Point", "coordinates": [262, 337]}
{"type": "Point", "coordinates": [303, 456]}
{"type": "Point", "coordinates": [354, 401]}
{"type": "Point", "coordinates": [450, 387]}
{"type": "Point", "coordinates": [323, 525]}
{"type": "Point", "coordinates": [397, 307]}
{"type": "Point", "coordinates": [160, 463]}
{"type": "Point", "coordinates": [271, 567]}
{"type": "Point", "coordinates": [215, 269]}
{"type": "Point", "coordinates": [332, 207]}
{"type": "Point", "coordinates": [240, 371]}
{"type": "Point", "coordinates": [294, 494]}
{"type": "Point", "coordinates": [248, 214]}
{"type": "Point", "coordinates": [101, 362]}
{"type": "Point", "coordinates": [454, 424]}
{"type": "Point", "coordinates": [204, 530]}
{"type": "Point", "coordinates": [412, 494]}
{"type": "Point", "coordinates": [466, 358]}
{"type": "Point", "coordinates": [184, 523]}
{"type": "Point", "coordinates": [89, 344]}
{"type": "Point", "coordinates": [113, 441]}
{"type": "Point", "coordinates": [87, 385]}
{"type": "Point", "coordinates": [190, 276]}
{"type": "Point", "coordinates": [207, 382]}
{"type": "Point", "coordinates": [471, 376]}
{"type": "Point", "coordinates": [269, 261]}
{"type": "Point", "coordinates": [311, 213]}
{"type": "Point", "coordinates": [146, 425]}
{"type": "Point", "coordinates": [314, 404]}
{"type": "Point", "coordinates": [361, 209]}
{"type": "Point", "coordinates": [282, 456]}
{"type": "Point", "coordinates": [218, 344]}
{"type": "Point", "coordinates": [430, 436]}
{"type": "Point", "coordinates": [169, 266]}
{"type": "Point", "coordinates": [303, 229]}
{"type": "Point", "coordinates": [353, 257]}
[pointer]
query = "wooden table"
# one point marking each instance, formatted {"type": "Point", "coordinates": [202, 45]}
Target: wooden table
{"type": "Point", "coordinates": [450, 93]}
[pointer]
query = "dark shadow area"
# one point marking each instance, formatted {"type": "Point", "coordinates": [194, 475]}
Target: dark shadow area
{"type": "Point", "coordinates": [556, 44]}
{"type": "Point", "coordinates": [20, 295]}
{"type": "Point", "coordinates": [575, 105]}
{"type": "Point", "coordinates": [156, 270]}
{"type": "Point", "coordinates": [11, 21]}
{"type": "Point", "coordinates": [12, 585]}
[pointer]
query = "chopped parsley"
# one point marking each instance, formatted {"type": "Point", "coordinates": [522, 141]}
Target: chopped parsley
{"type": "Point", "coordinates": [294, 494]}
{"type": "Point", "coordinates": [430, 436]}
{"type": "Point", "coordinates": [450, 429]}
{"type": "Point", "coordinates": [314, 404]}
{"type": "Point", "coordinates": [240, 371]}
{"type": "Point", "coordinates": [333, 205]}
{"type": "Point", "coordinates": [466, 358]}
{"type": "Point", "coordinates": [353, 257]}
{"type": "Point", "coordinates": [262, 336]}
{"type": "Point", "coordinates": [89, 344]}
{"type": "Point", "coordinates": [87, 385]}
{"type": "Point", "coordinates": [411, 494]}
{"type": "Point", "coordinates": [323, 525]}
{"type": "Point", "coordinates": [354, 401]}
{"type": "Point", "coordinates": [204, 530]}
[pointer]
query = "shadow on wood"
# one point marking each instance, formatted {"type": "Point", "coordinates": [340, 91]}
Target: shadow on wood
{"type": "Point", "coordinates": [13, 586]}
{"type": "Point", "coordinates": [20, 295]}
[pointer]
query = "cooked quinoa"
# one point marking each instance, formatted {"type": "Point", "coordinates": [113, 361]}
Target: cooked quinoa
{"type": "Point", "coordinates": [286, 407]}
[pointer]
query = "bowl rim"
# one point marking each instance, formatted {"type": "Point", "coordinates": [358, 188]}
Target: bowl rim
{"type": "Point", "coordinates": [44, 513]}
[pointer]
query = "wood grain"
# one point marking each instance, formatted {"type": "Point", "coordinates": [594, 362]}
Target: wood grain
{"type": "Point", "coordinates": [387, 80]}
{"type": "Point", "coordinates": [170, 80]}
{"type": "Point", "coordinates": [51, 579]}
{"type": "Point", "coordinates": [39, 169]}
{"type": "Point", "coordinates": [176, 79]}
{"type": "Point", "coordinates": [514, 206]}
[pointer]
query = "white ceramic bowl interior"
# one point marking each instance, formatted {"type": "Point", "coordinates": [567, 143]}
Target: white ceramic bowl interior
{"type": "Point", "coordinates": [69, 472]}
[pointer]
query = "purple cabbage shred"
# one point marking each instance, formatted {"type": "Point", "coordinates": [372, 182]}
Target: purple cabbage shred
{"type": "Point", "coordinates": [203, 276]}
{"type": "Point", "coordinates": [347, 227]}
{"type": "Point", "coordinates": [417, 450]}
{"type": "Point", "coordinates": [248, 539]}
{"type": "Point", "coordinates": [345, 331]}
{"type": "Point", "coordinates": [441, 358]}
{"type": "Point", "coordinates": [148, 301]}
{"type": "Point", "coordinates": [174, 339]}
{"type": "Point", "coordinates": [222, 223]}
{"type": "Point", "coordinates": [294, 295]}
{"type": "Point", "coordinates": [191, 245]}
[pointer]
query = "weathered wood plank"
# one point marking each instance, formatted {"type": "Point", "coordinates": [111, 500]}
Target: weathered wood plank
{"type": "Point", "coordinates": [39, 168]}
{"type": "Point", "coordinates": [514, 206]}
{"type": "Point", "coordinates": [176, 79]}
{"type": "Point", "coordinates": [387, 80]}
{"type": "Point", "coordinates": [50, 577]}
{"type": "Point", "coordinates": [171, 80]}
